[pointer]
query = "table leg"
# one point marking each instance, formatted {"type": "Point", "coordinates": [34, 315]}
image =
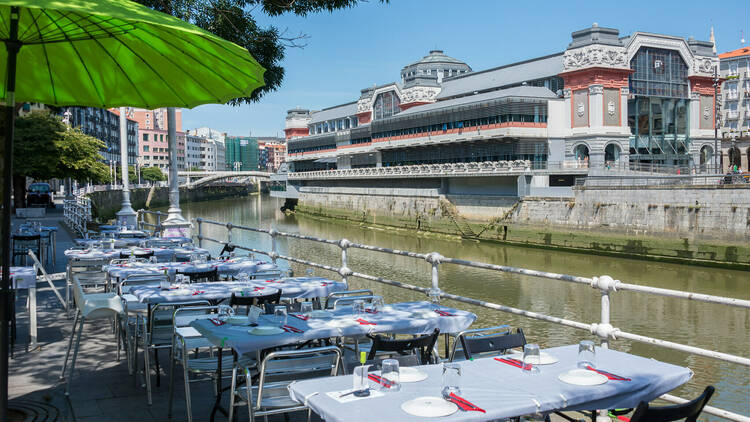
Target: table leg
{"type": "Point", "coordinates": [217, 404]}
{"type": "Point", "coordinates": [32, 318]}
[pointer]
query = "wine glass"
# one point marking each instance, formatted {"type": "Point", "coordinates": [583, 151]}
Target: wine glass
{"type": "Point", "coordinates": [358, 308]}
{"type": "Point", "coordinates": [586, 354]}
{"type": "Point", "coordinates": [451, 379]}
{"type": "Point", "coordinates": [531, 359]}
{"type": "Point", "coordinates": [391, 375]}
{"type": "Point", "coordinates": [306, 309]}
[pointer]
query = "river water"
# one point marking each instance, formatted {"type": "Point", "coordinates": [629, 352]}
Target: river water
{"type": "Point", "coordinates": [714, 327]}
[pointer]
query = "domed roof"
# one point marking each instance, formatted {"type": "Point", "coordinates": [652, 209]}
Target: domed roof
{"type": "Point", "coordinates": [437, 56]}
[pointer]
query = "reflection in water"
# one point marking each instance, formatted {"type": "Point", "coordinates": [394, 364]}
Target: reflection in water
{"type": "Point", "coordinates": [697, 324]}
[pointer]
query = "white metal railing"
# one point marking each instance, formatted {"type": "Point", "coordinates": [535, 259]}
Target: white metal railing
{"type": "Point", "coordinates": [420, 170]}
{"type": "Point", "coordinates": [606, 285]}
{"type": "Point", "coordinates": [155, 229]}
{"type": "Point", "coordinates": [77, 213]}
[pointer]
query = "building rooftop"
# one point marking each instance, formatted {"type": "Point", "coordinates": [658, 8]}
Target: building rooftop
{"type": "Point", "coordinates": [516, 91]}
{"type": "Point", "coordinates": [744, 51]}
{"type": "Point", "coordinates": [436, 56]}
{"type": "Point", "coordinates": [335, 112]}
{"type": "Point", "coordinates": [498, 77]}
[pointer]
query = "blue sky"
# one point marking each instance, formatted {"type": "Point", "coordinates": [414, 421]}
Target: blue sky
{"type": "Point", "coordinates": [349, 50]}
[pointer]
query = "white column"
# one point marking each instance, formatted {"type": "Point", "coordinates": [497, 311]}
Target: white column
{"type": "Point", "coordinates": [126, 215]}
{"type": "Point", "coordinates": [175, 225]}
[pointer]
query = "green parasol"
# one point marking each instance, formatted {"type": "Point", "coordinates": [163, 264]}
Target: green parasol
{"type": "Point", "coordinates": [105, 53]}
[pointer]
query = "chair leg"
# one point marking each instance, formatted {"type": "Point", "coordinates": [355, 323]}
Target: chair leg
{"type": "Point", "coordinates": [188, 403]}
{"type": "Point", "coordinates": [249, 395]}
{"type": "Point", "coordinates": [231, 392]}
{"type": "Point", "coordinates": [147, 372]}
{"type": "Point", "coordinates": [117, 337]}
{"type": "Point", "coordinates": [156, 364]}
{"type": "Point", "coordinates": [171, 385]}
{"type": "Point", "coordinates": [70, 345]}
{"type": "Point", "coordinates": [75, 355]}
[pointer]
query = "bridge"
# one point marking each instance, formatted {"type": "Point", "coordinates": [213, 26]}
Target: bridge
{"type": "Point", "coordinates": [199, 178]}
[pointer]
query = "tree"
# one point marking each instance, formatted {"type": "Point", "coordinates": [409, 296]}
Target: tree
{"type": "Point", "coordinates": [194, 168]}
{"type": "Point", "coordinates": [152, 174]}
{"type": "Point", "coordinates": [44, 148]}
{"type": "Point", "coordinates": [233, 20]}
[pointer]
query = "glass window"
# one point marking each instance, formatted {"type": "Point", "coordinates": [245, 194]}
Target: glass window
{"type": "Point", "coordinates": [658, 73]}
{"type": "Point", "coordinates": [145, 148]}
{"type": "Point", "coordinates": [145, 137]}
{"type": "Point", "coordinates": [386, 105]}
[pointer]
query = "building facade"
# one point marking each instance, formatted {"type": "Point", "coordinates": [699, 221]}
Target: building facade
{"type": "Point", "coordinates": [104, 125]}
{"type": "Point", "coordinates": [153, 130]}
{"type": "Point", "coordinates": [637, 101]}
{"type": "Point", "coordinates": [735, 108]}
{"type": "Point", "coordinates": [241, 153]}
{"type": "Point", "coordinates": [194, 151]}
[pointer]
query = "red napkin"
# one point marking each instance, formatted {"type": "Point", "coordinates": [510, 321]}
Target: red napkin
{"type": "Point", "coordinates": [380, 380]}
{"type": "Point", "coordinates": [197, 292]}
{"type": "Point", "coordinates": [514, 362]}
{"type": "Point", "coordinates": [444, 313]}
{"type": "Point", "coordinates": [217, 322]}
{"type": "Point", "coordinates": [256, 289]}
{"type": "Point", "coordinates": [300, 316]}
{"type": "Point", "coordinates": [464, 404]}
{"type": "Point", "coordinates": [363, 322]}
{"type": "Point", "coordinates": [273, 281]}
{"type": "Point", "coordinates": [290, 329]}
{"type": "Point", "coordinates": [609, 375]}
{"type": "Point", "coordinates": [371, 311]}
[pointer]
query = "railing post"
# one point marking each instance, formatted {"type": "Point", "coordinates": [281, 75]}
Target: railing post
{"type": "Point", "coordinates": [344, 270]}
{"type": "Point", "coordinates": [229, 234]}
{"type": "Point", "coordinates": [158, 222]}
{"type": "Point", "coordinates": [273, 254]}
{"type": "Point", "coordinates": [604, 329]}
{"type": "Point", "coordinates": [434, 258]}
{"type": "Point", "coordinates": [200, 231]}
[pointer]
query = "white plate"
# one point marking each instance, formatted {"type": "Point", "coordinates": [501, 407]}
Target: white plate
{"type": "Point", "coordinates": [180, 292]}
{"type": "Point", "coordinates": [320, 314]}
{"type": "Point", "coordinates": [582, 377]}
{"type": "Point", "coordinates": [265, 330]}
{"type": "Point", "coordinates": [429, 407]}
{"type": "Point", "coordinates": [407, 374]}
{"type": "Point", "coordinates": [238, 320]}
{"type": "Point", "coordinates": [545, 359]}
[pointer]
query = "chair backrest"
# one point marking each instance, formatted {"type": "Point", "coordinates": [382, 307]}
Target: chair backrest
{"type": "Point", "coordinates": [278, 369]}
{"type": "Point", "coordinates": [140, 280]}
{"type": "Point", "coordinates": [195, 276]}
{"type": "Point", "coordinates": [688, 411]}
{"type": "Point", "coordinates": [474, 343]}
{"type": "Point", "coordinates": [348, 300]}
{"type": "Point", "coordinates": [265, 274]}
{"type": "Point", "coordinates": [336, 295]}
{"type": "Point", "coordinates": [97, 305]}
{"type": "Point", "coordinates": [117, 261]}
{"type": "Point", "coordinates": [160, 327]}
{"type": "Point", "coordinates": [262, 301]}
{"type": "Point", "coordinates": [423, 344]}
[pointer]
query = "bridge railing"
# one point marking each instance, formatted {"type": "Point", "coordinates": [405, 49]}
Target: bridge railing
{"type": "Point", "coordinates": [606, 285]}
{"type": "Point", "coordinates": [420, 170]}
{"type": "Point", "coordinates": [77, 213]}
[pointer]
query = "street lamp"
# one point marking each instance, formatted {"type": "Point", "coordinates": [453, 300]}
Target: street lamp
{"type": "Point", "coordinates": [175, 225]}
{"type": "Point", "coordinates": [126, 216]}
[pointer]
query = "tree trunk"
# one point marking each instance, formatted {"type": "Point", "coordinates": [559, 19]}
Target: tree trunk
{"type": "Point", "coordinates": [19, 191]}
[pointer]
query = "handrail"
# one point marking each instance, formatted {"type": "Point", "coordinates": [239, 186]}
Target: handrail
{"type": "Point", "coordinates": [605, 284]}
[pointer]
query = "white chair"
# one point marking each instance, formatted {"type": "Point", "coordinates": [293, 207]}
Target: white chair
{"type": "Point", "coordinates": [88, 273]}
{"type": "Point", "coordinates": [203, 364]}
{"type": "Point", "coordinates": [90, 306]}
{"type": "Point", "coordinates": [136, 312]}
{"type": "Point", "coordinates": [278, 370]}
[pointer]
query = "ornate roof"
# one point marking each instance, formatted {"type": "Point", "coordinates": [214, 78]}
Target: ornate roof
{"type": "Point", "coordinates": [437, 56]}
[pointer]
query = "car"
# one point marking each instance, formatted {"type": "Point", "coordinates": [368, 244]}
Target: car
{"type": "Point", "coordinates": [39, 195]}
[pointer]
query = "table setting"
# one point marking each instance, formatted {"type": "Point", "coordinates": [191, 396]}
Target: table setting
{"type": "Point", "coordinates": [490, 389]}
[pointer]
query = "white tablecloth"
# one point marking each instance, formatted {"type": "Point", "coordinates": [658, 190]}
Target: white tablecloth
{"type": "Point", "coordinates": [22, 277]}
{"type": "Point", "coordinates": [503, 391]}
{"type": "Point", "coordinates": [93, 253]}
{"type": "Point", "coordinates": [199, 291]}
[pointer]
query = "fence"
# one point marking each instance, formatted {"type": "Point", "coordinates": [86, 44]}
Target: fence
{"type": "Point", "coordinates": [77, 213]}
{"type": "Point", "coordinates": [606, 285]}
{"type": "Point", "coordinates": [694, 180]}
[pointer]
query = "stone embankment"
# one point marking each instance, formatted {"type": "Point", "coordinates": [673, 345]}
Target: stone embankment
{"type": "Point", "coordinates": [106, 203]}
{"type": "Point", "coordinates": [705, 225]}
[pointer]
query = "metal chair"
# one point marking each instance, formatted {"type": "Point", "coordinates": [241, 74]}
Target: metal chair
{"type": "Point", "coordinates": [348, 300]}
{"type": "Point", "coordinates": [337, 295]}
{"type": "Point", "coordinates": [22, 242]}
{"type": "Point", "coordinates": [688, 411]}
{"type": "Point", "coordinates": [90, 306]}
{"type": "Point", "coordinates": [262, 301]}
{"type": "Point", "coordinates": [201, 276]}
{"type": "Point", "coordinates": [278, 370]}
{"type": "Point", "coordinates": [481, 342]}
{"type": "Point", "coordinates": [87, 272]}
{"type": "Point", "coordinates": [424, 345]}
{"type": "Point", "coordinates": [158, 336]}
{"type": "Point", "coordinates": [136, 312]}
{"type": "Point", "coordinates": [203, 364]}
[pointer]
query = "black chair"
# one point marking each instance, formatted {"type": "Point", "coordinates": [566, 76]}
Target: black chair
{"type": "Point", "coordinates": [264, 301]}
{"type": "Point", "coordinates": [376, 364]}
{"type": "Point", "coordinates": [126, 253]}
{"type": "Point", "coordinates": [21, 245]}
{"type": "Point", "coordinates": [201, 276]}
{"type": "Point", "coordinates": [688, 411]}
{"type": "Point", "coordinates": [492, 343]}
{"type": "Point", "coordinates": [425, 345]}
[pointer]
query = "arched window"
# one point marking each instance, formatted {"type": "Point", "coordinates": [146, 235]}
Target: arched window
{"type": "Point", "coordinates": [707, 156]}
{"type": "Point", "coordinates": [612, 154]}
{"type": "Point", "coordinates": [386, 105]}
{"type": "Point", "coordinates": [581, 154]}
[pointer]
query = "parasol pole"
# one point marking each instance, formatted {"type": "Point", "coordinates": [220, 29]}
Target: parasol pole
{"type": "Point", "coordinates": [12, 46]}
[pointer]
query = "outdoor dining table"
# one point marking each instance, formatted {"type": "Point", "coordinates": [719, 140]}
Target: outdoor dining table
{"type": "Point", "coordinates": [24, 278]}
{"type": "Point", "coordinates": [398, 318]}
{"type": "Point", "coordinates": [226, 268]}
{"type": "Point", "coordinates": [92, 253]}
{"type": "Point", "coordinates": [502, 390]}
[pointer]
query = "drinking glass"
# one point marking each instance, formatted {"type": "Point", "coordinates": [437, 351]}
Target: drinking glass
{"type": "Point", "coordinates": [290, 273]}
{"type": "Point", "coordinates": [309, 272]}
{"type": "Point", "coordinates": [390, 373]}
{"type": "Point", "coordinates": [376, 305]}
{"type": "Point", "coordinates": [358, 309]}
{"type": "Point", "coordinates": [531, 358]}
{"type": "Point", "coordinates": [434, 295]}
{"type": "Point", "coordinates": [359, 380]}
{"type": "Point", "coordinates": [586, 354]}
{"type": "Point", "coordinates": [243, 277]}
{"type": "Point", "coordinates": [280, 313]}
{"type": "Point", "coordinates": [451, 379]}
{"type": "Point", "coordinates": [152, 259]}
{"type": "Point", "coordinates": [306, 308]}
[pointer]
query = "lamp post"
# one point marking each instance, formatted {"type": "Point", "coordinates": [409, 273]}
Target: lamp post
{"type": "Point", "coordinates": [716, 120]}
{"type": "Point", "coordinates": [175, 225]}
{"type": "Point", "coordinates": [68, 180]}
{"type": "Point", "coordinates": [126, 216]}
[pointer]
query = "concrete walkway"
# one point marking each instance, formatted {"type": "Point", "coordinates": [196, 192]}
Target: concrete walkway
{"type": "Point", "coordinates": [101, 389]}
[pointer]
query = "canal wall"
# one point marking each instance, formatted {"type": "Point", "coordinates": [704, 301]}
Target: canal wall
{"type": "Point", "coordinates": [690, 224]}
{"type": "Point", "coordinates": [105, 204]}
